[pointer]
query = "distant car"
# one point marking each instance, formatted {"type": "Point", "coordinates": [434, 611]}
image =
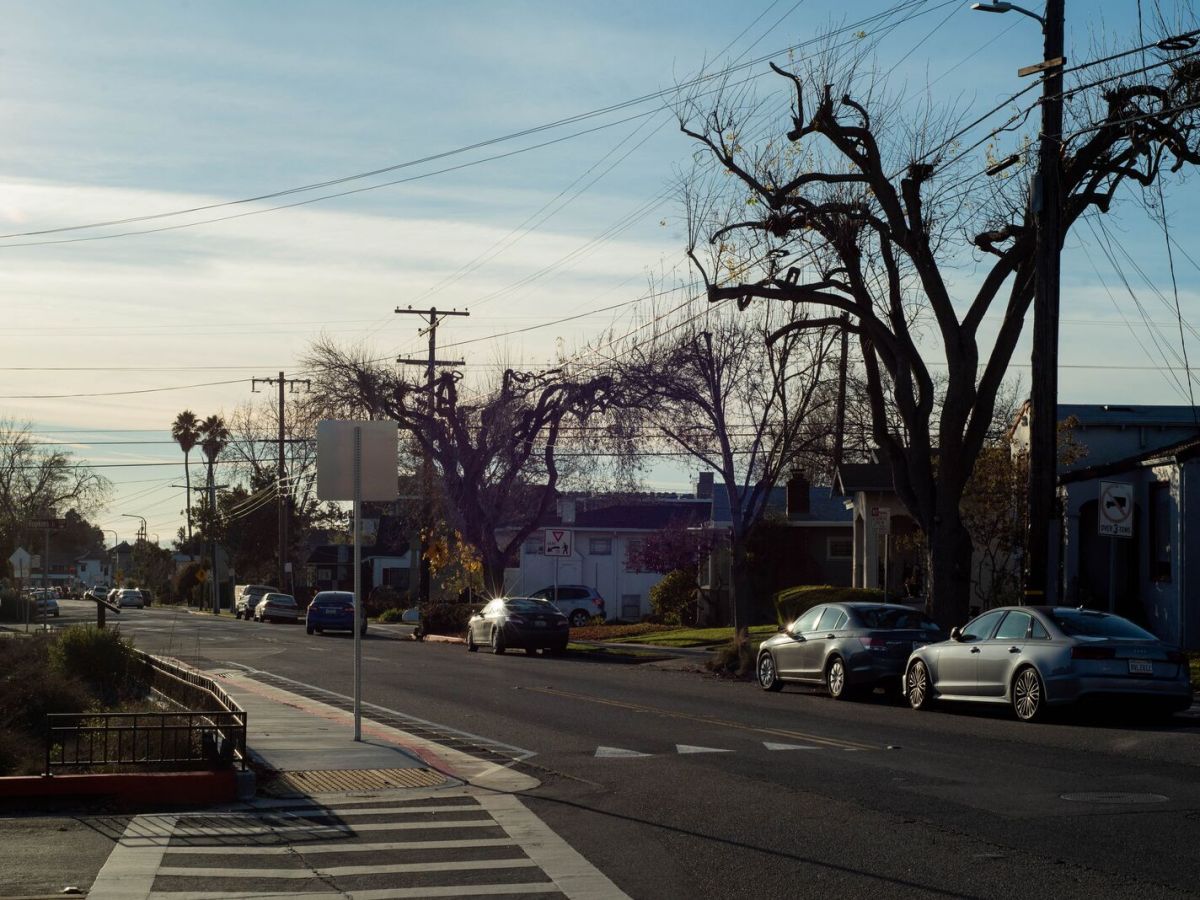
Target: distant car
{"type": "Point", "coordinates": [1034, 657]}
{"type": "Point", "coordinates": [850, 648]}
{"type": "Point", "coordinates": [332, 611]}
{"type": "Point", "coordinates": [247, 600]}
{"type": "Point", "coordinates": [277, 608]}
{"type": "Point", "coordinates": [527, 622]}
{"type": "Point", "coordinates": [578, 602]}
{"type": "Point", "coordinates": [130, 597]}
{"type": "Point", "coordinates": [46, 602]}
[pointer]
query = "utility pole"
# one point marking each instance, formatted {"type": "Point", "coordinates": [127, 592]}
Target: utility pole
{"type": "Point", "coordinates": [431, 365]}
{"type": "Point", "coordinates": [1041, 579]}
{"type": "Point", "coordinates": [282, 493]}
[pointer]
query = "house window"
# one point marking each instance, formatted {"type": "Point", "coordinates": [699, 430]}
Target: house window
{"type": "Point", "coordinates": [632, 551]}
{"type": "Point", "coordinates": [600, 547]}
{"type": "Point", "coordinates": [395, 577]}
{"type": "Point", "coordinates": [1160, 531]}
{"type": "Point", "coordinates": [324, 575]}
{"type": "Point", "coordinates": [840, 548]}
{"type": "Point", "coordinates": [534, 547]}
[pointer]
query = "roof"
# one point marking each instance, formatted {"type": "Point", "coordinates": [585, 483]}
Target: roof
{"type": "Point", "coordinates": [651, 516]}
{"type": "Point", "coordinates": [850, 478]}
{"type": "Point", "coordinates": [822, 506]}
{"type": "Point", "coordinates": [1180, 451]}
{"type": "Point", "coordinates": [331, 555]}
{"type": "Point", "coordinates": [1129, 415]}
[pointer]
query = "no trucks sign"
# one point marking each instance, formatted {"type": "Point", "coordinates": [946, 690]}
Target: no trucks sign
{"type": "Point", "coordinates": [1115, 513]}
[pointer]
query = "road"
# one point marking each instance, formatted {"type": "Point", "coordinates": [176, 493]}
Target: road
{"type": "Point", "coordinates": [679, 784]}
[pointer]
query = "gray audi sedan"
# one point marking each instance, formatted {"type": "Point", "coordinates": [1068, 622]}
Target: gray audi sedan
{"type": "Point", "coordinates": [850, 648]}
{"type": "Point", "coordinates": [1033, 657]}
{"type": "Point", "coordinates": [523, 622]}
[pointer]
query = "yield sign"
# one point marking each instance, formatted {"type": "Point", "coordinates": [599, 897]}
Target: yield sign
{"type": "Point", "coordinates": [558, 542]}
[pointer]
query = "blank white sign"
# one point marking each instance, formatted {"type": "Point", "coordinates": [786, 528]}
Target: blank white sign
{"type": "Point", "coordinates": [379, 476]}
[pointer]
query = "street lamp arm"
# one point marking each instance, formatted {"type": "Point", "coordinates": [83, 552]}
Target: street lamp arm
{"type": "Point", "coordinates": [999, 6]}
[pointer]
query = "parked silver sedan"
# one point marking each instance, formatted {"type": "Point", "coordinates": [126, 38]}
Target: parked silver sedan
{"type": "Point", "coordinates": [1033, 657]}
{"type": "Point", "coordinates": [277, 608]}
{"type": "Point", "coordinates": [850, 648]}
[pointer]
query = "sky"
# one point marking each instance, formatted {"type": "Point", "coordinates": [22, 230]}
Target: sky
{"type": "Point", "coordinates": [122, 110]}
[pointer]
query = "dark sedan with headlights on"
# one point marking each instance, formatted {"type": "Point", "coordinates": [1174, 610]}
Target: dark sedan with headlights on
{"type": "Point", "coordinates": [850, 648]}
{"type": "Point", "coordinates": [1034, 657]}
{"type": "Point", "coordinates": [519, 622]}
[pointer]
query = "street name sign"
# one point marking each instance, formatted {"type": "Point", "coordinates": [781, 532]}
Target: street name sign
{"type": "Point", "coordinates": [1115, 512]}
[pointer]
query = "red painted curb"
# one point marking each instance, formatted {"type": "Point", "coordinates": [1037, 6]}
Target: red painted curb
{"type": "Point", "coordinates": [149, 787]}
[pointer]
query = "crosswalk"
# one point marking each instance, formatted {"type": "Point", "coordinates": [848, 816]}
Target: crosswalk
{"type": "Point", "coordinates": [445, 843]}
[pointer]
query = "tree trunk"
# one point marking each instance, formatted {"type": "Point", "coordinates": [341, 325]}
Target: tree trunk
{"type": "Point", "coordinates": [950, 555]}
{"type": "Point", "coordinates": [187, 480]}
{"type": "Point", "coordinates": [493, 575]}
{"type": "Point", "coordinates": [741, 588]}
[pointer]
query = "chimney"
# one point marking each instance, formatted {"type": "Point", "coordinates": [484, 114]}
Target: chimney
{"type": "Point", "coordinates": [704, 487]}
{"type": "Point", "coordinates": [797, 495]}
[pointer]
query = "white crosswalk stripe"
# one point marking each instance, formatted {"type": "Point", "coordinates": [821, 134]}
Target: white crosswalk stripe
{"type": "Point", "coordinates": [445, 843]}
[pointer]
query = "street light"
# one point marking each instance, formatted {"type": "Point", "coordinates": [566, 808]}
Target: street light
{"type": "Point", "coordinates": [1041, 580]}
{"type": "Point", "coordinates": [142, 532]}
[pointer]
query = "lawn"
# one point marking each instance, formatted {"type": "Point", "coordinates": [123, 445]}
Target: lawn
{"type": "Point", "coordinates": [690, 637]}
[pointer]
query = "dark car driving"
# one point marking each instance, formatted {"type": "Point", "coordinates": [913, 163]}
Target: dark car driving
{"type": "Point", "coordinates": [850, 648]}
{"type": "Point", "coordinates": [332, 611]}
{"type": "Point", "coordinates": [518, 622]}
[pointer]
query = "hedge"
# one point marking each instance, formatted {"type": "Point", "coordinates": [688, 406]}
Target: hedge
{"type": "Point", "coordinates": [790, 603]}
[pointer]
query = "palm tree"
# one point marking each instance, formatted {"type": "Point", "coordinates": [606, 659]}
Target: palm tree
{"type": "Point", "coordinates": [214, 437]}
{"type": "Point", "coordinates": [185, 431]}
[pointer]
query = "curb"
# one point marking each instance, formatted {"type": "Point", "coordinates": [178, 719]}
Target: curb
{"type": "Point", "coordinates": [183, 788]}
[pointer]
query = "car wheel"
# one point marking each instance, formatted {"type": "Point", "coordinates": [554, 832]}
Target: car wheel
{"type": "Point", "coordinates": [531, 651]}
{"type": "Point", "coordinates": [498, 641]}
{"type": "Point", "coordinates": [237, 614]}
{"type": "Point", "coordinates": [579, 618]}
{"type": "Point", "coordinates": [768, 677]}
{"type": "Point", "coordinates": [320, 630]}
{"type": "Point", "coordinates": [1028, 695]}
{"type": "Point", "coordinates": [835, 679]}
{"type": "Point", "coordinates": [557, 650]}
{"type": "Point", "coordinates": [308, 629]}
{"type": "Point", "coordinates": [472, 647]}
{"type": "Point", "coordinates": [918, 686]}
{"type": "Point", "coordinates": [56, 614]}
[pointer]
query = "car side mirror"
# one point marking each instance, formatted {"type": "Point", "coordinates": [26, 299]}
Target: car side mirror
{"type": "Point", "coordinates": [956, 633]}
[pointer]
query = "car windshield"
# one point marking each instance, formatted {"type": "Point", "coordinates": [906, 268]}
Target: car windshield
{"type": "Point", "coordinates": [890, 617]}
{"type": "Point", "coordinates": [529, 605]}
{"type": "Point", "coordinates": [334, 600]}
{"type": "Point", "coordinates": [1086, 623]}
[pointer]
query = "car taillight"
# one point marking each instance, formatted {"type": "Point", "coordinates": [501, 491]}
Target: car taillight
{"type": "Point", "coordinates": [1093, 653]}
{"type": "Point", "coordinates": [878, 645]}
{"type": "Point", "coordinates": [598, 602]}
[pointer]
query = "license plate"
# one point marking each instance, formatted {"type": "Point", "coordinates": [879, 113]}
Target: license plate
{"type": "Point", "coordinates": [1141, 667]}
{"type": "Point", "coordinates": [540, 623]}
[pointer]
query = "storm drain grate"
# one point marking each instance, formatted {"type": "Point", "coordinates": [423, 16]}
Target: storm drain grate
{"type": "Point", "coordinates": [334, 781]}
{"type": "Point", "coordinates": [1113, 797]}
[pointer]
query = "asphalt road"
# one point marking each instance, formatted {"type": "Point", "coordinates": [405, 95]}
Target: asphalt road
{"type": "Point", "coordinates": [678, 784]}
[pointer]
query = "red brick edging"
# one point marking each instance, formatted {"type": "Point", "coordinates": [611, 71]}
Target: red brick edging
{"type": "Point", "coordinates": [148, 787]}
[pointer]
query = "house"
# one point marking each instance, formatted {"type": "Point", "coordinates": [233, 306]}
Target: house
{"type": "Point", "coordinates": [806, 537]}
{"type": "Point", "coordinates": [386, 556]}
{"type": "Point", "coordinates": [603, 531]}
{"type": "Point", "coordinates": [1151, 576]}
{"type": "Point", "coordinates": [885, 537]}
{"type": "Point", "coordinates": [1110, 432]}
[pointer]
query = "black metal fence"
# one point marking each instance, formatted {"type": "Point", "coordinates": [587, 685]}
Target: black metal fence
{"type": "Point", "coordinates": [209, 731]}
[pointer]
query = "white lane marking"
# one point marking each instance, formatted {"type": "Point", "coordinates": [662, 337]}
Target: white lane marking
{"type": "Point", "coordinates": [465, 865]}
{"type": "Point", "coordinates": [771, 745]}
{"type": "Point", "coordinates": [265, 828]}
{"type": "Point", "coordinates": [688, 748]}
{"type": "Point", "coordinates": [476, 890]}
{"type": "Point", "coordinates": [340, 847]}
{"type": "Point", "coordinates": [128, 873]}
{"type": "Point", "coordinates": [574, 875]}
{"type": "Point", "coordinates": [617, 753]}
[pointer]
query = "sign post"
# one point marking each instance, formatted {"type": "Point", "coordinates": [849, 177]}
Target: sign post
{"type": "Point", "coordinates": [357, 461]}
{"type": "Point", "coordinates": [1114, 518]}
{"type": "Point", "coordinates": [881, 520]}
{"type": "Point", "coordinates": [558, 545]}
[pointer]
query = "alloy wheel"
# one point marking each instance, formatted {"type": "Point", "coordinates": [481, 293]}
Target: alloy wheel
{"type": "Point", "coordinates": [768, 679]}
{"type": "Point", "coordinates": [1027, 695]}
{"type": "Point", "coordinates": [917, 683]}
{"type": "Point", "coordinates": [835, 678]}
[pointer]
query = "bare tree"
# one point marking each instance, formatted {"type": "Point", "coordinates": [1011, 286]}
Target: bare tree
{"type": "Point", "coordinates": [494, 450]}
{"type": "Point", "coordinates": [857, 209]}
{"type": "Point", "coordinates": [36, 477]}
{"type": "Point", "coordinates": [739, 405]}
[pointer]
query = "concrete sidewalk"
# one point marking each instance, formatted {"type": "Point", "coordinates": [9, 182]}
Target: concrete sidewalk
{"type": "Point", "coordinates": [304, 738]}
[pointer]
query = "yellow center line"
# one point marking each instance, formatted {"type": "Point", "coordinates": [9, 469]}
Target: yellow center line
{"type": "Point", "coordinates": [708, 720]}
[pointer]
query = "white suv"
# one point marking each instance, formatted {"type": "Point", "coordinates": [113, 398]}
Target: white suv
{"type": "Point", "coordinates": [578, 602]}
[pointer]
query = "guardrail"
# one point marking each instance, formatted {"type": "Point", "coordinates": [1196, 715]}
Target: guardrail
{"type": "Point", "coordinates": [210, 732]}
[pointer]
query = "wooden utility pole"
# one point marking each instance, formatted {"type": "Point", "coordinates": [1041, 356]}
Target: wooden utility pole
{"type": "Point", "coordinates": [1041, 575]}
{"type": "Point", "coordinates": [282, 490]}
{"type": "Point", "coordinates": [431, 365]}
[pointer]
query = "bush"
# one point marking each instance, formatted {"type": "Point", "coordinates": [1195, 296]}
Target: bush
{"type": "Point", "coordinates": [674, 598]}
{"type": "Point", "coordinates": [101, 658]}
{"type": "Point", "coordinates": [385, 598]}
{"type": "Point", "coordinates": [13, 607]}
{"type": "Point", "coordinates": [730, 660]}
{"type": "Point", "coordinates": [791, 603]}
{"type": "Point", "coordinates": [30, 689]}
{"type": "Point", "coordinates": [446, 618]}
{"type": "Point", "coordinates": [393, 614]}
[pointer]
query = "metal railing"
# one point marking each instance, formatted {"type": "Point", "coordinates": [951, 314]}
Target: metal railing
{"type": "Point", "coordinates": [208, 732]}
